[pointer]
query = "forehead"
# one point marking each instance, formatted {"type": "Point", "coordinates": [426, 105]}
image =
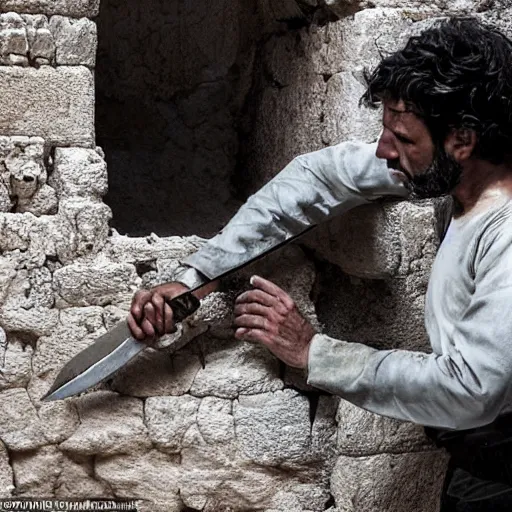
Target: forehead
{"type": "Point", "coordinates": [397, 117]}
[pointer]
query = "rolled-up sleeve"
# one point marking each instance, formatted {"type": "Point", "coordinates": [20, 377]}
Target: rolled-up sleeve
{"type": "Point", "coordinates": [465, 388]}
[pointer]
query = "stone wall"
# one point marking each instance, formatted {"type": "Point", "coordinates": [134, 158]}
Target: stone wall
{"type": "Point", "coordinates": [216, 425]}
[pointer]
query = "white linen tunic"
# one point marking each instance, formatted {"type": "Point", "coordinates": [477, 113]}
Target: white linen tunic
{"type": "Point", "coordinates": [466, 381]}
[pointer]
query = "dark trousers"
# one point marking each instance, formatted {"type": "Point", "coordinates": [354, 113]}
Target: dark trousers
{"type": "Point", "coordinates": [479, 476]}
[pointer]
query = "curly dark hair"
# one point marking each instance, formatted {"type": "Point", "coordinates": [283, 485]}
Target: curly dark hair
{"type": "Point", "coordinates": [455, 75]}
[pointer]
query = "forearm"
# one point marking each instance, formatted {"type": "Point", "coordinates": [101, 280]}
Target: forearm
{"type": "Point", "coordinates": [310, 190]}
{"type": "Point", "coordinates": [428, 389]}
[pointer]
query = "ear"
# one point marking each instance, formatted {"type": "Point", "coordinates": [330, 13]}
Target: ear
{"type": "Point", "coordinates": [460, 144]}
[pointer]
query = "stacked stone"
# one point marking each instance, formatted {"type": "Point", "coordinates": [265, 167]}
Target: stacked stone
{"type": "Point", "coordinates": [218, 425]}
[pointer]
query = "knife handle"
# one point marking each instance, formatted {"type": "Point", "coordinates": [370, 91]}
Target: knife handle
{"type": "Point", "coordinates": [183, 306]}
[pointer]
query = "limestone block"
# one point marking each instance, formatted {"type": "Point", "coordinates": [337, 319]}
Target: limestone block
{"type": "Point", "coordinates": [383, 313]}
{"type": "Point", "coordinates": [74, 8]}
{"type": "Point", "coordinates": [6, 476]}
{"type": "Point", "coordinates": [368, 35]}
{"type": "Point", "coordinates": [79, 327]}
{"type": "Point", "coordinates": [30, 240]}
{"type": "Point", "coordinates": [56, 104]}
{"type": "Point", "coordinates": [122, 473]}
{"type": "Point", "coordinates": [399, 239]}
{"type": "Point", "coordinates": [36, 473]}
{"type": "Point", "coordinates": [234, 368]}
{"type": "Point", "coordinates": [273, 429]}
{"type": "Point", "coordinates": [24, 175]}
{"type": "Point", "coordinates": [27, 306]}
{"type": "Point", "coordinates": [79, 172]}
{"type": "Point", "coordinates": [168, 418]}
{"type": "Point", "coordinates": [76, 480]}
{"type": "Point", "coordinates": [362, 433]}
{"type": "Point", "coordinates": [5, 200]}
{"type": "Point", "coordinates": [43, 202]}
{"type": "Point", "coordinates": [76, 41]}
{"type": "Point", "coordinates": [156, 373]}
{"type": "Point", "coordinates": [301, 498]}
{"type": "Point", "coordinates": [425, 7]}
{"type": "Point", "coordinates": [59, 420]}
{"type": "Point", "coordinates": [37, 321]}
{"type": "Point", "coordinates": [13, 37]}
{"type": "Point", "coordinates": [343, 118]}
{"type": "Point", "coordinates": [82, 228]}
{"type": "Point", "coordinates": [109, 424]}
{"type": "Point", "coordinates": [99, 282]}
{"type": "Point", "coordinates": [20, 427]}
{"type": "Point", "coordinates": [15, 364]}
{"type": "Point", "coordinates": [150, 248]}
{"type": "Point", "coordinates": [40, 39]}
{"type": "Point", "coordinates": [405, 482]}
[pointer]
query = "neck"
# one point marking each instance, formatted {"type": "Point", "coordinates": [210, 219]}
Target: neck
{"type": "Point", "coordinates": [482, 183]}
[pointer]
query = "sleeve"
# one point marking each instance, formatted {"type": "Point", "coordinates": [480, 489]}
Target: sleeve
{"type": "Point", "coordinates": [309, 190]}
{"type": "Point", "coordinates": [464, 389]}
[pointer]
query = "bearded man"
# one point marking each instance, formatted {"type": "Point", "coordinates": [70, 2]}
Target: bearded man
{"type": "Point", "coordinates": [447, 129]}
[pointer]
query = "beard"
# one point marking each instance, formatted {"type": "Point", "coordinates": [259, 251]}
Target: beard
{"type": "Point", "coordinates": [437, 180]}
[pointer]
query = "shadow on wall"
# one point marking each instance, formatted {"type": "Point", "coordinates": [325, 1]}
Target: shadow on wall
{"type": "Point", "coordinates": [171, 78]}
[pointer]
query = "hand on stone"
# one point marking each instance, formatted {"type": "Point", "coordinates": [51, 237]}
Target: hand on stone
{"type": "Point", "coordinates": [149, 310]}
{"type": "Point", "coordinates": [268, 315]}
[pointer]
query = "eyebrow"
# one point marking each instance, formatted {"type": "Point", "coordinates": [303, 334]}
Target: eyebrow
{"type": "Point", "coordinates": [398, 133]}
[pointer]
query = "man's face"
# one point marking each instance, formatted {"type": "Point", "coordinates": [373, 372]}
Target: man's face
{"type": "Point", "coordinates": [405, 142]}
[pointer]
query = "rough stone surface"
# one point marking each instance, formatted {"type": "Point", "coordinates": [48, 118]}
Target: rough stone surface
{"type": "Point", "coordinates": [361, 433]}
{"type": "Point", "coordinates": [6, 477]}
{"type": "Point", "coordinates": [75, 8]}
{"type": "Point", "coordinates": [77, 480]}
{"type": "Point", "coordinates": [400, 239]}
{"type": "Point", "coordinates": [56, 104]}
{"type": "Point", "coordinates": [79, 172]}
{"type": "Point", "coordinates": [109, 424]}
{"type": "Point", "coordinates": [409, 481]}
{"type": "Point", "coordinates": [15, 364]}
{"type": "Point", "coordinates": [36, 473]}
{"type": "Point", "coordinates": [233, 368]}
{"type": "Point", "coordinates": [273, 429]}
{"type": "Point", "coordinates": [98, 283]}
{"type": "Point", "coordinates": [20, 427]}
{"type": "Point", "coordinates": [75, 40]}
{"type": "Point", "coordinates": [122, 473]}
{"type": "Point", "coordinates": [23, 171]}
{"type": "Point", "coordinates": [168, 418]}
{"type": "Point", "coordinates": [156, 373]}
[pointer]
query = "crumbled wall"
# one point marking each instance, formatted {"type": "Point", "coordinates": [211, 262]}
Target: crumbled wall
{"type": "Point", "coordinates": [215, 425]}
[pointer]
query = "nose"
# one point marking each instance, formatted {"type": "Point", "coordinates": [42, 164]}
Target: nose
{"type": "Point", "coordinates": [386, 148]}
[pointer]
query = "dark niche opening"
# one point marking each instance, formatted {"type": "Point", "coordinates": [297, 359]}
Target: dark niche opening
{"type": "Point", "coordinates": [172, 78]}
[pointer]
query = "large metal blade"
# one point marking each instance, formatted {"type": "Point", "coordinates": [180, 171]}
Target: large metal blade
{"type": "Point", "coordinates": [95, 363]}
{"type": "Point", "coordinates": [114, 349]}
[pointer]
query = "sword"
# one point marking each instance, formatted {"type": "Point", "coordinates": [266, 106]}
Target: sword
{"type": "Point", "coordinates": [117, 347]}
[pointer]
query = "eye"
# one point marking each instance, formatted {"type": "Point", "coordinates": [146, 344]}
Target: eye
{"type": "Point", "coordinates": [403, 139]}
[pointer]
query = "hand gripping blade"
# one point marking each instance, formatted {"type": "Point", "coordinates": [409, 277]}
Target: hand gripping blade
{"type": "Point", "coordinates": [109, 353]}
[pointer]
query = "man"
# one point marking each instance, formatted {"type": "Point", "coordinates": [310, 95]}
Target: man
{"type": "Point", "coordinates": [447, 129]}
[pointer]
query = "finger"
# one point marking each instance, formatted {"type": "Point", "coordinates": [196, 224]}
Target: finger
{"type": "Point", "coordinates": [150, 315]}
{"type": "Point", "coordinates": [253, 335]}
{"type": "Point", "coordinates": [158, 303]}
{"type": "Point", "coordinates": [148, 329]}
{"type": "Point", "coordinates": [138, 302]}
{"type": "Point", "coordinates": [251, 322]}
{"type": "Point", "coordinates": [169, 319]}
{"type": "Point", "coordinates": [252, 308]}
{"type": "Point", "coordinates": [262, 298]}
{"type": "Point", "coordinates": [136, 331]}
{"type": "Point", "coordinates": [272, 289]}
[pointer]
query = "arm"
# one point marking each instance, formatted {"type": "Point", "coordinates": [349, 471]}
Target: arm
{"type": "Point", "coordinates": [312, 188]}
{"type": "Point", "coordinates": [465, 388]}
